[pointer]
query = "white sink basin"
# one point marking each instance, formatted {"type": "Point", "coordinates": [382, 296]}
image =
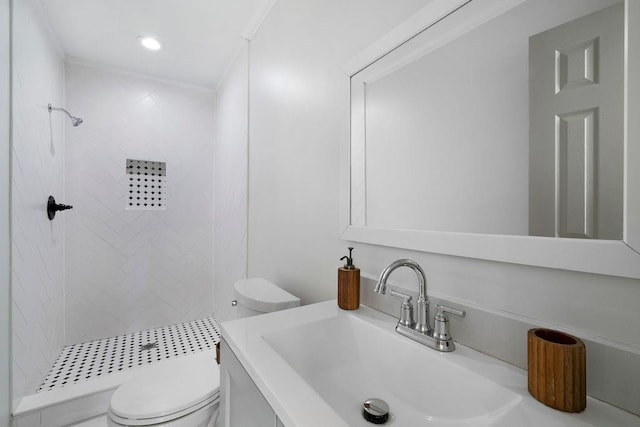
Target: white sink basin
{"type": "Point", "coordinates": [347, 359]}
{"type": "Point", "coordinates": [315, 365]}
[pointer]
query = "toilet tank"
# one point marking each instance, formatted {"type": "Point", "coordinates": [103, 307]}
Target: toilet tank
{"type": "Point", "coordinates": [258, 295]}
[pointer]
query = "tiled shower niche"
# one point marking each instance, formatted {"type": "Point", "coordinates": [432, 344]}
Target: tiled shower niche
{"type": "Point", "coordinates": [146, 185]}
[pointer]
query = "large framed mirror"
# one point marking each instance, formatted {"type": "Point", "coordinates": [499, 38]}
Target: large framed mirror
{"type": "Point", "coordinates": [501, 130]}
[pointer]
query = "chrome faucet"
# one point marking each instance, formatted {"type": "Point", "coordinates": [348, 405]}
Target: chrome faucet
{"type": "Point", "coordinates": [422, 305]}
{"type": "Point", "coordinates": [421, 331]}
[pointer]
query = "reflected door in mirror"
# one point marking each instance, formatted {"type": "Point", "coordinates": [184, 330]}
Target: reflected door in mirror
{"type": "Point", "coordinates": [576, 128]}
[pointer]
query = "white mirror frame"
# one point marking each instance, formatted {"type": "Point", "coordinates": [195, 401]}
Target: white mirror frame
{"type": "Point", "coordinates": [615, 258]}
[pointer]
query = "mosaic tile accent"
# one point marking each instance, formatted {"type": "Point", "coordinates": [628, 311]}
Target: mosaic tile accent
{"type": "Point", "coordinates": [93, 359]}
{"type": "Point", "coordinates": [146, 184]}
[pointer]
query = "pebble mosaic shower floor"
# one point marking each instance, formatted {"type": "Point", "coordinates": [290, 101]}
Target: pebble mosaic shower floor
{"type": "Point", "coordinates": [94, 359]}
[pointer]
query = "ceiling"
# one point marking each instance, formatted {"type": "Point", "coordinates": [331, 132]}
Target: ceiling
{"type": "Point", "coordinates": [200, 37]}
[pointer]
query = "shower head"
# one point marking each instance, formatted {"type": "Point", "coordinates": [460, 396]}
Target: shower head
{"type": "Point", "coordinates": [75, 121]}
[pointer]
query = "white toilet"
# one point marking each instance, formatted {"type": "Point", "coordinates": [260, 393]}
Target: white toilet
{"type": "Point", "coordinates": [184, 392]}
{"type": "Point", "coordinates": [181, 392]}
{"type": "Point", "coordinates": [257, 296]}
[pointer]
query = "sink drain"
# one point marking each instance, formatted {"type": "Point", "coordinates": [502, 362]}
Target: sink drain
{"type": "Point", "coordinates": [375, 411]}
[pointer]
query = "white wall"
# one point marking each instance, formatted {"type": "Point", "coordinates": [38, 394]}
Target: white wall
{"type": "Point", "coordinates": [129, 270]}
{"type": "Point", "coordinates": [230, 183]}
{"type": "Point", "coordinates": [5, 199]}
{"type": "Point", "coordinates": [38, 158]}
{"type": "Point", "coordinates": [298, 117]}
{"type": "Point", "coordinates": [299, 112]}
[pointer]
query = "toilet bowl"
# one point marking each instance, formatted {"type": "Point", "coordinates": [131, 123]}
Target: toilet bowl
{"type": "Point", "coordinates": [180, 392]}
{"type": "Point", "coordinates": [184, 392]}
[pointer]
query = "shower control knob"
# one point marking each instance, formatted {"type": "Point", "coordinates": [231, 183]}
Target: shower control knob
{"type": "Point", "coordinates": [53, 207]}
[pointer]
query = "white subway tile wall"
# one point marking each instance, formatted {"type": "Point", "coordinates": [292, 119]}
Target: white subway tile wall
{"type": "Point", "coordinates": [38, 157]}
{"type": "Point", "coordinates": [129, 270]}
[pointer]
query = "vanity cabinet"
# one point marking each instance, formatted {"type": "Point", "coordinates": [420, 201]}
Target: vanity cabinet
{"type": "Point", "coordinates": [241, 403]}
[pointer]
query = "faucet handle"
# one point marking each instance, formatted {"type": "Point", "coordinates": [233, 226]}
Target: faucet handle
{"type": "Point", "coordinates": [441, 321]}
{"type": "Point", "coordinates": [406, 308]}
{"type": "Point", "coordinates": [441, 310]}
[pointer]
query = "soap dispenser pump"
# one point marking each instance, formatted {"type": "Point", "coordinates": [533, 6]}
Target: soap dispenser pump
{"type": "Point", "coordinates": [348, 284]}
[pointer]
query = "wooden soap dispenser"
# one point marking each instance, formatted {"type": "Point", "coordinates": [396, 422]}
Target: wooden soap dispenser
{"type": "Point", "coordinates": [348, 284]}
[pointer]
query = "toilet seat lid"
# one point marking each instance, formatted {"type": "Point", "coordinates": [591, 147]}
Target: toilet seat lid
{"type": "Point", "coordinates": [261, 295]}
{"type": "Point", "coordinates": [171, 387]}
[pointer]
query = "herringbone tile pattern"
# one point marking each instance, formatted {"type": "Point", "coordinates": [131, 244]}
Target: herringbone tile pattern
{"type": "Point", "coordinates": [129, 270]}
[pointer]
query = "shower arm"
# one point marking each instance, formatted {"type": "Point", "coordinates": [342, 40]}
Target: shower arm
{"type": "Point", "coordinates": [51, 108]}
{"type": "Point", "coordinates": [75, 121]}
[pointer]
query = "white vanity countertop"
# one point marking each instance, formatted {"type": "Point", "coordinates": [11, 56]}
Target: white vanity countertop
{"type": "Point", "coordinates": [297, 404]}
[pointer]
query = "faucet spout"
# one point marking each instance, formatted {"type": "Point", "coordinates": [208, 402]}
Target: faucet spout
{"type": "Point", "coordinates": [381, 286]}
{"type": "Point", "coordinates": [422, 323]}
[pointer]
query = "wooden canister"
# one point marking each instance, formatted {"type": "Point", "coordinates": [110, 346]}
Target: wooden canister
{"type": "Point", "coordinates": [557, 369]}
{"type": "Point", "coordinates": [348, 288]}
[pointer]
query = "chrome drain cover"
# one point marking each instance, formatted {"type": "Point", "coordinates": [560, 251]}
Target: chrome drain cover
{"type": "Point", "coordinates": [375, 411]}
{"type": "Point", "coordinates": [148, 346]}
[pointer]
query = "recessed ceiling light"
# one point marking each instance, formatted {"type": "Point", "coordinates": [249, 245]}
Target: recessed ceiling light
{"type": "Point", "coordinates": [150, 43]}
